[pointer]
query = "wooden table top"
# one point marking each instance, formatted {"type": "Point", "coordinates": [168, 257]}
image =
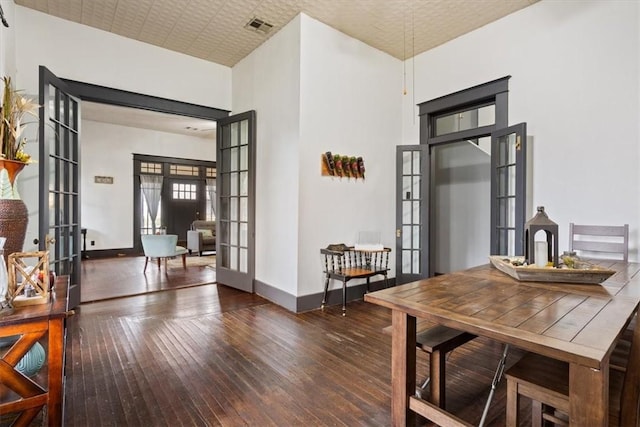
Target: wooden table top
{"type": "Point", "coordinates": [571, 322]}
{"type": "Point", "coordinates": [56, 307]}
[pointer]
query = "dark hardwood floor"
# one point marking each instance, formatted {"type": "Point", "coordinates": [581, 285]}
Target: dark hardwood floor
{"type": "Point", "coordinates": [124, 276]}
{"type": "Point", "coordinates": [210, 355]}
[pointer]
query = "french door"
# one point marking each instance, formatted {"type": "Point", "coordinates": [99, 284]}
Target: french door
{"type": "Point", "coordinates": [412, 218]}
{"type": "Point", "coordinates": [235, 213]}
{"type": "Point", "coordinates": [508, 189]}
{"type": "Point", "coordinates": [508, 200]}
{"type": "Point", "coordinates": [59, 219]}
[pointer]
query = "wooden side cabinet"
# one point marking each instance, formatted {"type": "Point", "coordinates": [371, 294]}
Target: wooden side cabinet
{"type": "Point", "coordinates": [24, 399]}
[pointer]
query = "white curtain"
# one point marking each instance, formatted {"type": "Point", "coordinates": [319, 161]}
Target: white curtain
{"type": "Point", "coordinates": [151, 186]}
{"type": "Point", "coordinates": [211, 191]}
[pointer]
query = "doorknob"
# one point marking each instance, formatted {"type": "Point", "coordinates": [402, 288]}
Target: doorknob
{"type": "Point", "coordinates": [49, 240]}
{"type": "Point", "coordinates": [398, 232]}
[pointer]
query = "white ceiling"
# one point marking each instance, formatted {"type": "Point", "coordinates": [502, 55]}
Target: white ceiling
{"type": "Point", "coordinates": [215, 30]}
{"type": "Point", "coordinates": [146, 119]}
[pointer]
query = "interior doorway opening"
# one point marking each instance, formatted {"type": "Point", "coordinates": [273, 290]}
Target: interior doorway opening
{"type": "Point", "coordinates": [461, 179]}
{"type": "Point", "coordinates": [462, 192]}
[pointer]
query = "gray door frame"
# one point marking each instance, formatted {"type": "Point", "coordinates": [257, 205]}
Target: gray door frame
{"type": "Point", "coordinates": [495, 92]}
{"type": "Point", "coordinates": [111, 96]}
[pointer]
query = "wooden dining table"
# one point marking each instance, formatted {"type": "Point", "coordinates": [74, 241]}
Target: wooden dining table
{"type": "Point", "coordinates": [576, 323]}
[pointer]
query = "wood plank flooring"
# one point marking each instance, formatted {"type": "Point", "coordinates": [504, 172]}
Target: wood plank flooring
{"type": "Point", "coordinates": [117, 277]}
{"type": "Point", "coordinates": [213, 356]}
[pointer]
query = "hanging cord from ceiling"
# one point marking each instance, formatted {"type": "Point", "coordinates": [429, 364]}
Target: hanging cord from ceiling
{"type": "Point", "coordinates": [413, 63]}
{"type": "Point", "coordinates": [413, 54]}
{"type": "Point", "coordinates": [404, 51]}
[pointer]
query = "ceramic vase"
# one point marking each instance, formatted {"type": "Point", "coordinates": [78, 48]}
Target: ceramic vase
{"type": "Point", "coordinates": [32, 361]}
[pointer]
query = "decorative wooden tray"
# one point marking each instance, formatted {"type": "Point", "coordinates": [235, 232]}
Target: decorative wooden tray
{"type": "Point", "coordinates": [533, 273]}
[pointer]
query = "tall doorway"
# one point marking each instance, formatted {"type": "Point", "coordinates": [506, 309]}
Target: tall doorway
{"type": "Point", "coordinates": [67, 261]}
{"type": "Point", "coordinates": [469, 198]}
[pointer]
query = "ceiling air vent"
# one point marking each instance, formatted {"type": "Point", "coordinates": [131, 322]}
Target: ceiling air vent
{"type": "Point", "coordinates": [259, 26]}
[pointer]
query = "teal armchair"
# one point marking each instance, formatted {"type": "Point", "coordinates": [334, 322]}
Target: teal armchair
{"type": "Point", "coordinates": [162, 246]}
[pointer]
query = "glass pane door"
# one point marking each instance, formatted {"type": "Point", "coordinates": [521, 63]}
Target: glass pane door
{"type": "Point", "coordinates": [59, 228]}
{"type": "Point", "coordinates": [508, 190]}
{"type": "Point", "coordinates": [412, 231]}
{"type": "Point", "coordinates": [236, 201]}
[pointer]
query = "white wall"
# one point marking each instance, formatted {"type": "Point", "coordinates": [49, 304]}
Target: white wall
{"type": "Point", "coordinates": [7, 41]}
{"type": "Point", "coordinates": [268, 81]}
{"type": "Point", "coordinates": [350, 105]}
{"type": "Point", "coordinates": [107, 150]}
{"type": "Point", "coordinates": [575, 70]}
{"type": "Point", "coordinates": [82, 53]}
{"type": "Point", "coordinates": [315, 90]}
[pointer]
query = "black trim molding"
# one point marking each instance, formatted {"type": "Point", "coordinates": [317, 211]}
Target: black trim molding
{"type": "Point", "coordinates": [313, 301]}
{"type": "Point", "coordinates": [106, 95]}
{"type": "Point", "coordinates": [123, 98]}
{"type": "Point", "coordinates": [470, 96]}
{"type": "Point", "coordinates": [111, 253]}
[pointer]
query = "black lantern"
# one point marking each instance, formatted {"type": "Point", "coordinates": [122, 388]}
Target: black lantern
{"type": "Point", "coordinates": [541, 222]}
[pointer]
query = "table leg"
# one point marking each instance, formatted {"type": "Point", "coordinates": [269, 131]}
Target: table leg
{"type": "Point", "coordinates": [437, 372]}
{"type": "Point", "coordinates": [403, 368]}
{"type": "Point", "coordinates": [588, 395]}
{"type": "Point", "coordinates": [55, 361]}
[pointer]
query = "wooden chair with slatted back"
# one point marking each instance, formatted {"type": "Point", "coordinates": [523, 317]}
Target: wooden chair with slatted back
{"type": "Point", "coordinates": [546, 382]}
{"type": "Point", "coordinates": [343, 263]}
{"type": "Point", "coordinates": [600, 239]}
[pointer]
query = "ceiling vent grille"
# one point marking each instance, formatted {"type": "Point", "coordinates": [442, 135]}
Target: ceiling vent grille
{"type": "Point", "coordinates": [259, 26]}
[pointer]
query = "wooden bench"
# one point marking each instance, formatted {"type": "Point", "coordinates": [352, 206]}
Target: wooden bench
{"type": "Point", "coordinates": [343, 263]}
{"type": "Point", "coordinates": [546, 382]}
{"type": "Point", "coordinates": [437, 341]}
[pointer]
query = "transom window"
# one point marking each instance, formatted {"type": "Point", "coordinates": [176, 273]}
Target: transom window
{"type": "Point", "coordinates": [470, 118]}
{"type": "Point", "coordinates": [184, 170]}
{"type": "Point", "coordinates": [151, 168]}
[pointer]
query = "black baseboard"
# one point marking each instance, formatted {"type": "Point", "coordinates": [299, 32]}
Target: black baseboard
{"type": "Point", "coordinates": [110, 253]}
{"type": "Point", "coordinates": [314, 301]}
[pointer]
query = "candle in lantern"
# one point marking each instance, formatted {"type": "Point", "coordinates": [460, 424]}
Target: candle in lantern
{"type": "Point", "coordinates": [541, 255]}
